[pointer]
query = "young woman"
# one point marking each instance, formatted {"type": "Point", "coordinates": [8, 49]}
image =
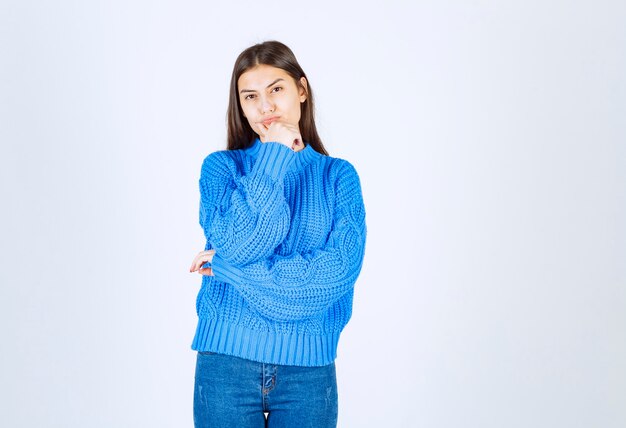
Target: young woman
{"type": "Point", "coordinates": [285, 230]}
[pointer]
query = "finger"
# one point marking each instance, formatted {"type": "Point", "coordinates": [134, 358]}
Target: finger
{"type": "Point", "coordinates": [196, 262]}
{"type": "Point", "coordinates": [199, 264]}
{"type": "Point", "coordinates": [201, 258]}
{"type": "Point", "coordinates": [262, 128]}
{"type": "Point", "coordinates": [297, 143]}
{"type": "Point", "coordinates": [206, 271]}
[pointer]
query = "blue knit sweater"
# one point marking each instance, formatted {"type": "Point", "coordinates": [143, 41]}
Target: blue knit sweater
{"type": "Point", "coordinates": [288, 229]}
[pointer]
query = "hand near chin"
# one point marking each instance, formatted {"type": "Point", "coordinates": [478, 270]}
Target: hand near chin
{"type": "Point", "coordinates": [284, 133]}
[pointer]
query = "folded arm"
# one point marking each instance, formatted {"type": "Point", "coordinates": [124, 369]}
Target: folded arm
{"type": "Point", "coordinates": [245, 217]}
{"type": "Point", "coordinates": [299, 286]}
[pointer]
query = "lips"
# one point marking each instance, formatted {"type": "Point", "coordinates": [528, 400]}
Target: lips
{"type": "Point", "coordinates": [270, 120]}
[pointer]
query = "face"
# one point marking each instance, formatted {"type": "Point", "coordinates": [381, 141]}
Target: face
{"type": "Point", "coordinates": [269, 94]}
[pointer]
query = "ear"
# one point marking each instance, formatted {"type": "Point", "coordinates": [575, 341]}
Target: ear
{"type": "Point", "coordinates": [304, 92]}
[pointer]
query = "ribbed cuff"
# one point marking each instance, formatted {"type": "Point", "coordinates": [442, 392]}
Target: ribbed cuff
{"type": "Point", "coordinates": [225, 272]}
{"type": "Point", "coordinates": [274, 160]}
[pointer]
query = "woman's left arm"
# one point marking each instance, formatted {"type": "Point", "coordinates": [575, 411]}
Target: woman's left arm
{"type": "Point", "coordinates": [298, 286]}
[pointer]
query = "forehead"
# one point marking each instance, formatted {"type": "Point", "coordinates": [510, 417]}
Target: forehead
{"type": "Point", "coordinates": [260, 76]}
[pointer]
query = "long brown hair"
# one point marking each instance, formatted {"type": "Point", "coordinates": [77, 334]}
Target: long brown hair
{"type": "Point", "coordinates": [276, 54]}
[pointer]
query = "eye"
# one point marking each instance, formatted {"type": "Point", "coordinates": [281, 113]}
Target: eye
{"type": "Point", "coordinates": [249, 97]}
{"type": "Point", "coordinates": [277, 88]}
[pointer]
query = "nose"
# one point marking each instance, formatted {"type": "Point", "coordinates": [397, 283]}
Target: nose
{"type": "Point", "coordinates": [266, 105]}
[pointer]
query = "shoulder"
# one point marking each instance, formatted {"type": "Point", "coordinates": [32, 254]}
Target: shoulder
{"type": "Point", "coordinates": [341, 169]}
{"type": "Point", "coordinates": [346, 187]}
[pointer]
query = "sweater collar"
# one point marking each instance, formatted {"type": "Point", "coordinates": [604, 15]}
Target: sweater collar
{"type": "Point", "coordinates": [301, 158]}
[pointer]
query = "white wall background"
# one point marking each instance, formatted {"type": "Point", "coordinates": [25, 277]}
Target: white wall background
{"type": "Point", "coordinates": [490, 139]}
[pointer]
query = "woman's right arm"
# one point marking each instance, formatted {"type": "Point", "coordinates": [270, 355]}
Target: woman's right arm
{"type": "Point", "coordinates": [245, 217]}
{"type": "Point", "coordinates": [298, 286]}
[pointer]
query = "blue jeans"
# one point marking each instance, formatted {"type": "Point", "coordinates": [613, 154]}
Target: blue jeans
{"type": "Point", "coordinates": [234, 392]}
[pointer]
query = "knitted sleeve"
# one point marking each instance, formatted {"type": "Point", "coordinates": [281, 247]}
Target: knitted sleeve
{"type": "Point", "coordinates": [299, 286]}
{"type": "Point", "coordinates": [245, 217]}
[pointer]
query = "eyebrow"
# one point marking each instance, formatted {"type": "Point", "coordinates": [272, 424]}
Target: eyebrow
{"type": "Point", "coordinates": [268, 86]}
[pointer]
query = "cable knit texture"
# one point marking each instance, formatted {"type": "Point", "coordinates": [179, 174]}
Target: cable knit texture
{"type": "Point", "coordinates": [288, 229]}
